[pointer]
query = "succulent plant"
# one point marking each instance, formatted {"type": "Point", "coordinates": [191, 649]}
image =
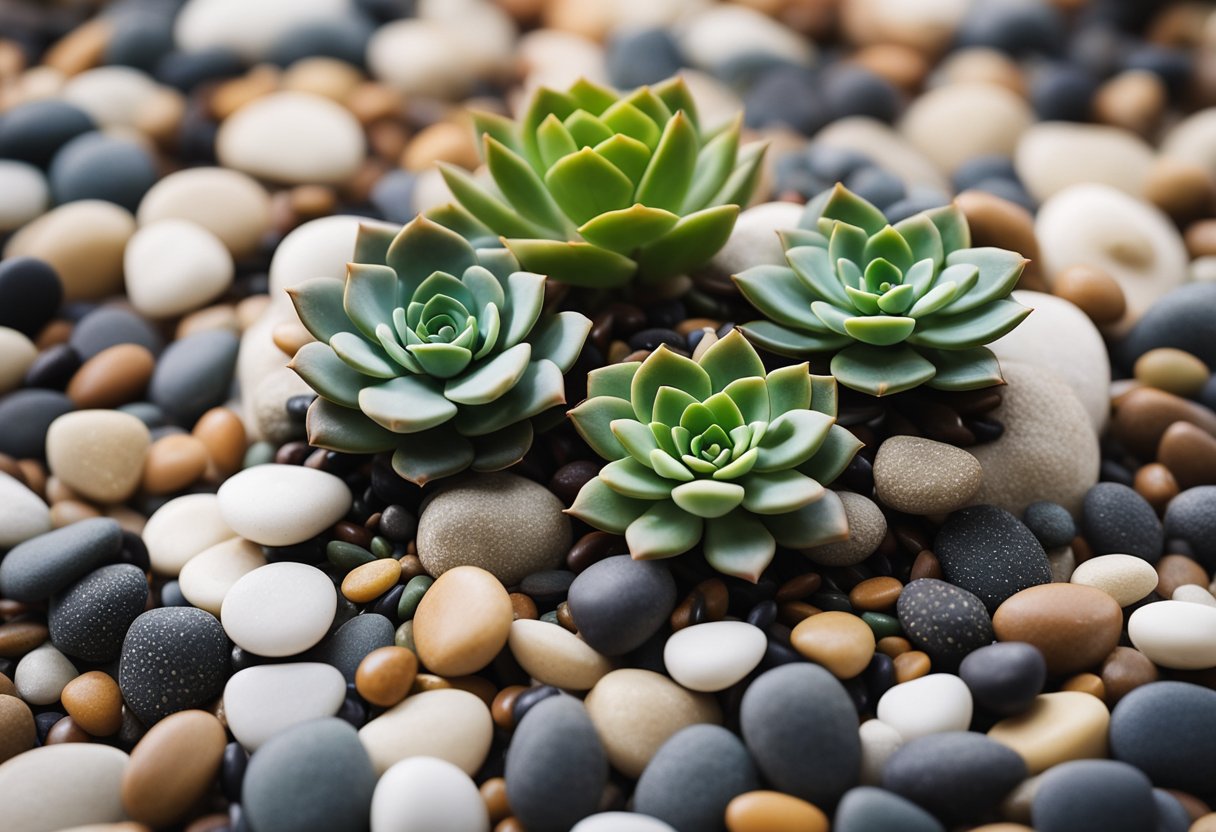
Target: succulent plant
{"type": "Point", "coordinates": [714, 451]}
{"type": "Point", "coordinates": [899, 305]}
{"type": "Point", "coordinates": [434, 350]}
{"type": "Point", "coordinates": [594, 188]}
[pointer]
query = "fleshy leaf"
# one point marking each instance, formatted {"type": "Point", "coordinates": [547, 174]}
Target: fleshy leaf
{"type": "Point", "coordinates": [969, 329]}
{"type": "Point", "coordinates": [593, 420]}
{"type": "Point", "coordinates": [971, 369]}
{"type": "Point", "coordinates": [820, 522]}
{"type": "Point", "coordinates": [490, 379]}
{"type": "Point", "coordinates": [628, 229]}
{"type": "Point", "coordinates": [708, 498]}
{"type": "Point", "coordinates": [814, 268]}
{"type": "Point", "coordinates": [999, 271]}
{"type": "Point", "coordinates": [880, 330]}
{"type": "Point", "coordinates": [554, 142]}
{"type": "Point", "coordinates": [560, 339]}
{"type": "Point", "coordinates": [881, 371]}
{"type": "Point", "coordinates": [789, 388]}
{"type": "Point", "coordinates": [846, 206]}
{"type": "Point", "coordinates": [934, 299]}
{"type": "Point", "coordinates": [691, 242]}
{"type": "Point", "coordinates": [952, 225]}
{"type": "Point", "coordinates": [600, 506]}
{"type": "Point", "coordinates": [318, 304]}
{"type": "Point", "coordinates": [793, 343]}
{"type": "Point", "coordinates": [365, 358]}
{"type": "Point", "coordinates": [779, 492]}
{"type": "Point", "coordinates": [540, 388]}
{"type": "Point", "coordinates": [738, 188]}
{"type": "Point", "coordinates": [780, 294]}
{"type": "Point", "coordinates": [739, 545]}
{"type": "Point", "coordinates": [424, 247]}
{"type": "Point", "coordinates": [441, 360]}
{"type": "Point", "coordinates": [503, 448]}
{"type": "Point", "coordinates": [833, 456]}
{"type": "Point", "coordinates": [525, 297]}
{"type": "Point", "coordinates": [407, 404]}
{"type": "Point", "coordinates": [664, 531]}
{"type": "Point", "coordinates": [432, 454]}
{"type": "Point", "coordinates": [824, 395]}
{"type": "Point", "coordinates": [339, 428]}
{"type": "Point", "coordinates": [522, 187]}
{"type": "Point", "coordinates": [585, 185]}
{"type": "Point", "coordinates": [923, 238]}
{"type": "Point", "coordinates": [625, 118]}
{"type": "Point", "coordinates": [372, 242]}
{"type": "Point", "coordinates": [613, 380]}
{"type": "Point", "coordinates": [591, 96]}
{"type": "Point", "coordinates": [497, 127]}
{"type": "Point", "coordinates": [578, 264]}
{"type": "Point", "coordinates": [675, 94]}
{"type": "Point", "coordinates": [792, 439]}
{"type": "Point", "coordinates": [633, 479]}
{"type": "Point", "coordinates": [729, 359]}
{"type": "Point", "coordinates": [546, 104]}
{"type": "Point", "coordinates": [329, 375]}
{"type": "Point", "coordinates": [586, 129]}
{"type": "Point", "coordinates": [714, 164]}
{"type": "Point", "coordinates": [637, 439]}
{"type": "Point", "coordinates": [669, 174]}
{"type": "Point", "coordinates": [897, 300]}
{"type": "Point", "coordinates": [664, 368]}
{"type": "Point", "coordinates": [751, 397]}
{"type": "Point", "coordinates": [669, 406]}
{"type": "Point", "coordinates": [497, 215]}
{"type": "Point", "coordinates": [370, 296]}
{"type": "Point", "coordinates": [889, 245]}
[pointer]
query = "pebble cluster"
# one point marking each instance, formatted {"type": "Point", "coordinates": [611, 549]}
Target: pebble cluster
{"type": "Point", "coordinates": [207, 625]}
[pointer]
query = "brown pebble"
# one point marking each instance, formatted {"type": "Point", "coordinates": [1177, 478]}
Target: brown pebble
{"type": "Point", "coordinates": [564, 618]}
{"type": "Point", "coordinates": [231, 95]}
{"type": "Point", "coordinates": [1004, 224]}
{"type": "Point", "coordinates": [81, 48]}
{"type": "Point", "coordinates": [352, 533]}
{"type": "Point", "coordinates": [312, 201]}
{"type": "Point", "coordinates": [20, 637]}
{"type": "Point", "coordinates": [1074, 626]}
{"type": "Point", "coordinates": [799, 587]}
{"type": "Point", "coordinates": [159, 116]}
{"type": "Point", "coordinates": [792, 613]}
{"type": "Point", "coordinates": [522, 606]}
{"type": "Point", "coordinates": [328, 77]}
{"type": "Point", "coordinates": [67, 512]}
{"type": "Point", "coordinates": [876, 594]}
{"type": "Point", "coordinates": [1134, 100]}
{"type": "Point", "coordinates": [370, 102]}
{"type": "Point", "coordinates": [219, 318]}
{"type": "Point", "coordinates": [1195, 807]}
{"type": "Point", "coordinates": [1093, 291]}
{"type": "Point", "coordinates": [1183, 190]}
{"type": "Point", "coordinates": [1174, 571]}
{"type": "Point", "coordinates": [893, 646]}
{"type": "Point", "coordinates": [510, 824]}
{"type": "Point", "coordinates": [444, 141]}
{"type": "Point", "coordinates": [1143, 415]}
{"type": "Point", "coordinates": [494, 793]}
{"type": "Point", "coordinates": [1124, 670]}
{"type": "Point", "coordinates": [682, 616]}
{"type": "Point", "coordinates": [113, 377]}
{"type": "Point", "coordinates": [385, 675]}
{"type": "Point", "coordinates": [289, 336]}
{"type": "Point", "coordinates": [172, 766]}
{"type": "Point", "coordinates": [428, 681]}
{"type": "Point", "coordinates": [17, 730]}
{"type": "Point", "coordinates": [173, 463]}
{"type": "Point", "coordinates": [716, 597]}
{"type": "Point", "coordinates": [767, 811]}
{"type": "Point", "coordinates": [911, 665]}
{"type": "Point", "coordinates": [249, 310]}
{"type": "Point", "coordinates": [223, 434]}
{"type": "Point", "coordinates": [926, 565]}
{"type": "Point", "coordinates": [1172, 370]}
{"type": "Point", "coordinates": [1190, 455]}
{"type": "Point", "coordinates": [1201, 238]}
{"type": "Point", "coordinates": [839, 641]}
{"type": "Point", "coordinates": [903, 66]}
{"type": "Point", "coordinates": [411, 567]}
{"type": "Point", "coordinates": [479, 686]}
{"type": "Point", "coordinates": [1156, 484]}
{"type": "Point", "coordinates": [56, 332]}
{"type": "Point", "coordinates": [1090, 683]}
{"type": "Point", "coordinates": [66, 730]}
{"type": "Point", "coordinates": [95, 702]}
{"type": "Point", "coordinates": [7, 688]}
{"type": "Point", "coordinates": [367, 582]}
{"type": "Point", "coordinates": [503, 708]}
{"type": "Point", "coordinates": [592, 548]}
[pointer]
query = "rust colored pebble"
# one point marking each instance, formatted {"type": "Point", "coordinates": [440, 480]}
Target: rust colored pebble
{"type": "Point", "coordinates": [839, 641]}
{"type": "Point", "coordinates": [428, 681]}
{"type": "Point", "coordinates": [1174, 571]}
{"type": "Point", "coordinates": [172, 766]}
{"type": "Point", "coordinates": [876, 594]}
{"type": "Point", "coordinates": [386, 675]}
{"type": "Point", "coordinates": [352, 533]}
{"type": "Point", "coordinates": [792, 613]}
{"type": "Point", "coordinates": [1124, 670]}
{"type": "Point", "coordinates": [1201, 238]}
{"type": "Point", "coordinates": [411, 567]}
{"type": "Point", "coordinates": [1093, 291]}
{"type": "Point", "coordinates": [716, 596]}
{"type": "Point", "coordinates": [800, 587]}
{"type": "Point", "coordinates": [522, 606]}
{"type": "Point", "coordinates": [56, 332]}
{"type": "Point", "coordinates": [66, 730]}
{"type": "Point", "coordinates": [367, 582]}
{"type": "Point", "coordinates": [503, 707]}
{"type": "Point", "coordinates": [688, 612]}
{"type": "Point", "coordinates": [765, 811]}
{"type": "Point", "coordinates": [482, 688]}
{"type": "Point", "coordinates": [114, 376]}
{"type": "Point", "coordinates": [494, 793]}
{"type": "Point", "coordinates": [1074, 626]}
{"type": "Point", "coordinates": [94, 701]}
{"type": "Point", "coordinates": [1156, 484]}
{"type": "Point", "coordinates": [223, 434]}
{"type": "Point", "coordinates": [173, 463]}
{"type": "Point", "coordinates": [893, 646]}
{"type": "Point", "coordinates": [902, 65]}
{"type": "Point", "coordinates": [926, 565]}
{"type": "Point", "coordinates": [7, 688]}
{"type": "Point", "coordinates": [20, 637]}
{"type": "Point", "coordinates": [911, 665]}
{"type": "Point", "coordinates": [33, 474]}
{"type": "Point", "coordinates": [1190, 455]}
{"type": "Point", "coordinates": [564, 617]}
{"type": "Point", "coordinates": [1090, 683]}
{"type": "Point", "coordinates": [17, 731]}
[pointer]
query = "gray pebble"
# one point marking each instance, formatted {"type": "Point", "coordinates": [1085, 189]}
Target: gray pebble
{"type": "Point", "coordinates": [693, 776]}
{"type": "Point", "coordinates": [1191, 517]}
{"type": "Point", "coordinates": [618, 602]}
{"type": "Point", "coordinates": [991, 554]}
{"type": "Point", "coordinates": [193, 374]}
{"type": "Point", "coordinates": [25, 417]}
{"type": "Point", "coordinates": [1168, 731]}
{"type": "Point", "coordinates": [173, 659]}
{"type": "Point", "coordinates": [1094, 796]}
{"type": "Point", "coordinates": [89, 619]}
{"type": "Point", "coordinates": [99, 166]}
{"type": "Point", "coordinates": [109, 326]}
{"type": "Point", "coordinates": [868, 809]}
{"type": "Point", "coordinates": [346, 646]}
{"type": "Point", "coordinates": [1117, 520]}
{"type": "Point", "coordinates": [944, 620]}
{"type": "Point", "coordinates": [41, 566]}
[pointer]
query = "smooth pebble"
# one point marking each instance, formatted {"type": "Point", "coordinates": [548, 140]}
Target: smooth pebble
{"type": "Point", "coordinates": [715, 655]}
{"type": "Point", "coordinates": [262, 701]}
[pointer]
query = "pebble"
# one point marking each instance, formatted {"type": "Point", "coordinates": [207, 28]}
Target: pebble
{"type": "Point", "coordinates": [99, 166]}
{"type": "Point", "coordinates": [932, 704]}
{"type": "Point", "coordinates": [30, 293]}
{"type": "Point", "coordinates": [694, 776]}
{"type": "Point", "coordinates": [281, 505]}
{"type": "Point", "coordinates": [556, 767]}
{"type": "Point", "coordinates": [279, 609]}
{"type": "Point", "coordinates": [263, 701]}
{"type": "Point", "coordinates": [34, 131]}
{"type": "Point", "coordinates": [1050, 523]}
{"type": "Point", "coordinates": [313, 777]}
{"type": "Point", "coordinates": [552, 655]}
{"type": "Point", "coordinates": [426, 794]}
{"type": "Point", "coordinates": [1189, 454]}
{"type": "Point", "coordinates": [1004, 678]}
{"type": "Point", "coordinates": [112, 95]}
{"type": "Point", "coordinates": [1115, 519]}
{"type": "Point", "coordinates": [1175, 634]}
{"type": "Point", "coordinates": [1125, 578]}
{"type": "Point", "coordinates": [1175, 320]}
{"type": "Point", "coordinates": [713, 37]}
{"type": "Point", "coordinates": [94, 770]}
{"type": "Point", "coordinates": [173, 659]}
{"type": "Point", "coordinates": [840, 641]}
{"type": "Point", "coordinates": [229, 204]}
{"type": "Point", "coordinates": [23, 515]}
{"type": "Point", "coordinates": [502, 523]}
{"type": "Point", "coordinates": [352, 642]}
{"type": "Point", "coordinates": [713, 656]}
{"type": "Point", "coordinates": [113, 377]}
{"type": "Point", "coordinates": [43, 565]}
{"type": "Point", "coordinates": [450, 724]}
{"type": "Point", "coordinates": [183, 528]}
{"type": "Point", "coordinates": [620, 822]}
{"type": "Point", "coordinates": [1143, 415]}
{"type": "Point", "coordinates": [1092, 291]}
{"type": "Point", "coordinates": [990, 553]}
{"type": "Point", "coordinates": [174, 266]}
{"type": "Point", "coordinates": [462, 622]}
{"type": "Point", "coordinates": [194, 374]}
{"type": "Point", "coordinates": [98, 453]}
{"type": "Point", "coordinates": [190, 745]}
{"type": "Point", "coordinates": [367, 582]}
{"type": "Point", "coordinates": [173, 463]}
{"type": "Point", "coordinates": [944, 620]}
{"type": "Point", "coordinates": [959, 122]}
{"type": "Point", "coordinates": [17, 731]}
{"type": "Point", "coordinates": [1192, 594]}
{"type": "Point", "coordinates": [17, 355]}
{"type": "Point", "coordinates": [1094, 796]}
{"type": "Point", "coordinates": [94, 703]}
{"type": "Point", "coordinates": [223, 434]}
{"type": "Point", "coordinates": [83, 242]}
{"type": "Point", "coordinates": [385, 675]}
{"type": "Point", "coordinates": [1168, 731]}
{"type": "Point", "coordinates": [618, 603]}
{"type": "Point", "coordinates": [111, 326]}
{"type": "Point", "coordinates": [867, 809]}
{"type": "Point", "coordinates": [27, 194]}
{"type": "Point", "coordinates": [42, 674]}
{"type": "Point", "coordinates": [921, 476]}
{"type": "Point", "coordinates": [26, 416]}
{"type": "Point", "coordinates": [89, 619]}
{"type": "Point", "coordinates": [867, 528]}
{"type": "Point", "coordinates": [1054, 155]}
{"type": "Point", "coordinates": [1191, 517]}
{"type": "Point", "coordinates": [1061, 726]}
{"type": "Point", "coordinates": [799, 723]}
{"type": "Point", "coordinates": [1074, 626]}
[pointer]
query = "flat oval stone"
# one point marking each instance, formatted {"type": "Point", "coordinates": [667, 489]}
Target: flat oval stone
{"type": "Point", "coordinates": [349, 644]}
{"type": "Point", "coordinates": [279, 609]}
{"type": "Point", "coordinates": [1075, 627]}
{"type": "Point", "coordinates": [1125, 578]}
{"type": "Point", "coordinates": [231, 205]}
{"type": "Point", "coordinates": [801, 727]}
{"type": "Point", "coordinates": [620, 822]}
{"type": "Point", "coordinates": [367, 582]}
{"type": "Point", "coordinates": [1114, 518]}
{"type": "Point", "coordinates": [28, 194]}
{"type": "Point", "coordinates": [206, 578]}
{"type": "Point", "coordinates": [94, 770]}
{"type": "Point", "coordinates": [26, 416]}
{"type": "Point", "coordinates": [90, 618]}
{"type": "Point", "coordinates": [1004, 678]}
{"type": "Point", "coordinates": [449, 724]}
{"type": "Point", "coordinates": [1061, 726]}
{"type": "Point", "coordinates": [840, 641]}
{"type": "Point", "coordinates": [101, 166]}
{"type": "Point", "coordinates": [1094, 796]}
{"type": "Point", "coordinates": [173, 659]}
{"type": "Point", "coordinates": [172, 766]}
{"type": "Point", "coordinates": [194, 374]}
{"type": "Point", "coordinates": [931, 704]}
{"type": "Point", "coordinates": [426, 794]}
{"type": "Point", "coordinates": [183, 528]}
{"type": "Point", "coordinates": [43, 565]}
{"type": "Point", "coordinates": [867, 809]}
{"type": "Point", "coordinates": [552, 655]}
{"type": "Point", "coordinates": [462, 622]}
{"type": "Point", "coordinates": [921, 476]}
{"type": "Point", "coordinates": [617, 603]}
{"type": "Point", "coordinates": [313, 777]}
{"type": "Point", "coordinates": [42, 674]}
{"type": "Point", "coordinates": [113, 377]}
{"type": "Point", "coordinates": [262, 701]}
{"type": "Point", "coordinates": [280, 505]}
{"type": "Point", "coordinates": [98, 453]}
{"type": "Point", "coordinates": [175, 266]}
{"type": "Point", "coordinates": [1175, 634]}
{"type": "Point", "coordinates": [83, 242]}
{"type": "Point", "coordinates": [17, 730]}
{"type": "Point", "coordinates": [944, 620]}
{"type": "Point", "coordinates": [1191, 516]}
{"type": "Point", "coordinates": [17, 355]}
{"type": "Point", "coordinates": [556, 767]}
{"type": "Point", "coordinates": [694, 776]}
{"type": "Point", "coordinates": [990, 553]}
{"type": "Point", "coordinates": [386, 674]}
{"type": "Point", "coordinates": [111, 326]}
{"type": "Point", "coordinates": [1168, 731]}
{"type": "Point", "coordinates": [715, 655]}
{"type": "Point", "coordinates": [33, 131]}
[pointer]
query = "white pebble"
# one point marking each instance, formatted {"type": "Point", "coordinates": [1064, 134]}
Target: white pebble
{"type": "Point", "coordinates": [112, 95]}
{"type": "Point", "coordinates": [420, 57]}
{"type": "Point", "coordinates": [1175, 634]}
{"type": "Point", "coordinates": [17, 353]}
{"type": "Point", "coordinates": [42, 674]}
{"type": "Point", "coordinates": [281, 505]}
{"type": "Point", "coordinates": [23, 514]}
{"type": "Point", "coordinates": [1194, 594]}
{"type": "Point", "coordinates": [1194, 138]}
{"type": "Point", "coordinates": [264, 700]}
{"type": "Point", "coordinates": [181, 528]}
{"type": "Point", "coordinates": [450, 724]}
{"type": "Point", "coordinates": [931, 704]}
{"type": "Point", "coordinates": [207, 577]}
{"type": "Point", "coordinates": [250, 29]}
{"type": "Point", "coordinates": [959, 122]}
{"type": "Point", "coordinates": [715, 655]}
{"type": "Point", "coordinates": [279, 609]}
{"type": "Point", "coordinates": [426, 794]}
{"type": "Point", "coordinates": [621, 822]}
{"type": "Point", "coordinates": [1054, 155]}
{"type": "Point", "coordinates": [32, 784]}
{"type": "Point", "coordinates": [26, 194]}
{"type": "Point", "coordinates": [1126, 578]}
{"type": "Point", "coordinates": [715, 36]}
{"type": "Point", "coordinates": [174, 267]}
{"type": "Point", "coordinates": [231, 205]}
{"type": "Point", "coordinates": [878, 742]}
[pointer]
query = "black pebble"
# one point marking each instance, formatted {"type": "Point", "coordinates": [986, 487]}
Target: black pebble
{"type": "Point", "coordinates": [173, 659]}
{"type": "Point", "coordinates": [193, 374]}
{"type": "Point", "coordinates": [785, 96]}
{"type": "Point", "coordinates": [232, 770]}
{"type": "Point", "coordinates": [30, 293]}
{"type": "Point", "coordinates": [851, 90]}
{"type": "Point", "coordinates": [53, 368]}
{"type": "Point", "coordinates": [547, 588]}
{"type": "Point", "coordinates": [1094, 796]}
{"type": "Point", "coordinates": [944, 620]}
{"type": "Point", "coordinates": [25, 416]}
{"type": "Point", "coordinates": [618, 602]}
{"type": "Point", "coordinates": [33, 132]}
{"type": "Point", "coordinates": [186, 70]}
{"type": "Point", "coordinates": [398, 524]}
{"type": "Point", "coordinates": [1191, 517]}
{"type": "Point", "coordinates": [140, 40]}
{"type": "Point", "coordinates": [1016, 27]}
{"type": "Point", "coordinates": [1181, 319]}
{"type": "Point", "coordinates": [1050, 523]}
{"type": "Point", "coordinates": [869, 809]}
{"type": "Point", "coordinates": [1063, 92]}
{"type": "Point", "coordinates": [347, 645]}
{"type": "Point", "coordinates": [1004, 678]}
{"type": "Point", "coordinates": [90, 618]}
{"type": "Point", "coordinates": [109, 326]}
{"type": "Point", "coordinates": [1117, 520]}
{"type": "Point", "coordinates": [41, 566]}
{"type": "Point", "coordinates": [344, 38]}
{"type": "Point", "coordinates": [990, 553]}
{"type": "Point", "coordinates": [529, 699]}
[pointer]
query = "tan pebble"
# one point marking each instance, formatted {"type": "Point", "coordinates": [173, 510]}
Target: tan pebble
{"type": "Point", "coordinates": [510, 824]}
{"type": "Point", "coordinates": [1074, 626]}
{"type": "Point", "coordinates": [901, 65]}
{"type": "Point", "coordinates": [1134, 100]}
{"type": "Point", "coordinates": [159, 116]}
{"type": "Point", "coordinates": [173, 463]}
{"type": "Point", "coordinates": [911, 665]}
{"type": "Point", "coordinates": [56, 490]}
{"type": "Point", "coordinates": [1058, 727]}
{"type": "Point", "coordinates": [494, 793]}
{"type": "Point", "coordinates": [1124, 670]}
{"type": "Point", "coordinates": [230, 96]}
{"type": "Point", "coordinates": [367, 582]}
{"type": "Point", "coordinates": [1201, 238]}
{"type": "Point", "coordinates": [893, 646]}
{"type": "Point", "coordinates": [387, 140]}
{"type": "Point", "coordinates": [172, 767]}
{"type": "Point", "coordinates": [385, 675]}
{"type": "Point", "coordinates": [120, 826]}
{"type": "Point", "coordinates": [82, 48]}
{"type": "Point", "coordinates": [289, 336]}
{"type": "Point", "coordinates": [1125, 578]}
{"type": "Point", "coordinates": [1174, 571]}
{"type": "Point", "coordinates": [444, 141]}
{"type": "Point", "coordinates": [93, 700]}
{"type": "Point", "coordinates": [218, 318]}
{"type": "Point", "coordinates": [7, 688]}
{"type": "Point", "coordinates": [1207, 823]}
{"type": "Point", "coordinates": [1004, 224]}
{"type": "Point", "coordinates": [20, 637]}
{"type": "Point", "coordinates": [311, 201]}
{"type": "Point", "coordinates": [1002, 827]}
{"type": "Point", "coordinates": [1189, 453]}
{"type": "Point", "coordinates": [552, 655]}
{"type": "Point", "coordinates": [453, 725]}
{"type": "Point", "coordinates": [1183, 190]}
{"type": "Point", "coordinates": [1172, 370]}
{"type": "Point", "coordinates": [223, 434]}
{"type": "Point", "coordinates": [98, 453]}
{"type": "Point", "coordinates": [328, 77]}
{"type": "Point", "coordinates": [1143, 415]}
{"type": "Point", "coordinates": [987, 66]}
{"type": "Point", "coordinates": [462, 621]}
{"type": "Point", "coordinates": [83, 241]}
{"type": "Point", "coordinates": [1156, 484]}
{"type": "Point", "coordinates": [428, 681]}
{"type": "Point", "coordinates": [17, 731]}
{"type": "Point", "coordinates": [371, 102]}
{"type": "Point", "coordinates": [17, 354]}
{"type": "Point", "coordinates": [1090, 683]}
{"type": "Point", "coordinates": [765, 811]}
{"type": "Point", "coordinates": [1093, 291]}
{"type": "Point", "coordinates": [67, 512]}
{"type": "Point", "coordinates": [839, 641]}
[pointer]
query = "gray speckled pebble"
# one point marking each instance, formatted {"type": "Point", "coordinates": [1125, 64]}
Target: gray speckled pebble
{"type": "Point", "coordinates": [693, 776]}
{"type": "Point", "coordinates": [620, 602]}
{"type": "Point", "coordinates": [43, 565]}
{"type": "Point", "coordinates": [89, 619]}
{"type": "Point", "coordinates": [991, 554]}
{"type": "Point", "coordinates": [173, 658]}
{"type": "Point", "coordinates": [1117, 520]}
{"type": "Point", "coordinates": [1094, 796]}
{"type": "Point", "coordinates": [1050, 523]}
{"type": "Point", "coordinates": [346, 646]}
{"type": "Point", "coordinates": [867, 809]}
{"type": "Point", "coordinates": [193, 374]}
{"type": "Point", "coordinates": [944, 620]}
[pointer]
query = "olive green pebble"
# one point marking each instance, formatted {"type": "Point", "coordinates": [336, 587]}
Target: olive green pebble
{"type": "Point", "coordinates": [259, 453]}
{"type": "Point", "coordinates": [347, 556]}
{"type": "Point", "coordinates": [381, 547]}
{"type": "Point", "coordinates": [414, 590]}
{"type": "Point", "coordinates": [404, 636]}
{"type": "Point", "coordinates": [882, 624]}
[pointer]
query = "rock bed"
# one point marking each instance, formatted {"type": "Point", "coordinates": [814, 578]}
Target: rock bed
{"type": "Point", "coordinates": [210, 625]}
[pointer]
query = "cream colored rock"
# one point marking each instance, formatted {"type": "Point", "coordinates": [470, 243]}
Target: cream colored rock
{"type": "Point", "coordinates": [1194, 594]}
{"type": "Point", "coordinates": [636, 711]}
{"type": "Point", "coordinates": [754, 240]}
{"type": "Point", "coordinates": [426, 794]}
{"type": "Point", "coordinates": [249, 29]}
{"type": "Point", "coordinates": [557, 59]}
{"type": "Point", "coordinates": [26, 194]}
{"type": "Point", "coordinates": [268, 403]}
{"type": "Point", "coordinates": [959, 122]}
{"type": "Point", "coordinates": [1055, 155]}
{"type": "Point", "coordinates": [420, 57]}
{"type": "Point", "coordinates": [878, 141]}
{"type": "Point", "coordinates": [552, 655]}
{"type": "Point", "coordinates": [714, 655]}
{"type": "Point", "coordinates": [17, 353]}
{"type": "Point", "coordinates": [42, 674]}
{"type": "Point", "coordinates": [1058, 727]}
{"type": "Point", "coordinates": [921, 476]}
{"type": "Point", "coordinates": [206, 578]}
{"type": "Point", "coordinates": [723, 32]}
{"type": "Point", "coordinates": [23, 514]}
{"type": "Point", "coordinates": [1175, 634]}
{"type": "Point", "coordinates": [932, 704]}
{"type": "Point", "coordinates": [175, 266]}
{"type": "Point", "coordinates": [83, 241]}
{"type": "Point", "coordinates": [181, 529]}
{"type": "Point", "coordinates": [261, 701]}
{"type": "Point", "coordinates": [112, 95]}
{"type": "Point", "coordinates": [231, 205]}
{"type": "Point", "coordinates": [280, 609]}
{"type": "Point", "coordinates": [28, 782]}
{"type": "Point", "coordinates": [1125, 578]}
{"type": "Point", "coordinates": [878, 742]}
{"type": "Point", "coordinates": [99, 454]}
{"type": "Point", "coordinates": [1194, 138]}
{"type": "Point", "coordinates": [927, 26]}
{"type": "Point", "coordinates": [279, 505]}
{"type": "Point", "coordinates": [449, 724]}
{"type": "Point", "coordinates": [320, 248]}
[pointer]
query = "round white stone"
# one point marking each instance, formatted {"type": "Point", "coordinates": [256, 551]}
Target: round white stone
{"type": "Point", "coordinates": [181, 528]}
{"type": "Point", "coordinates": [621, 822]}
{"type": "Point", "coordinates": [420, 57]}
{"type": "Point", "coordinates": [450, 724]}
{"type": "Point", "coordinates": [1051, 156]}
{"type": "Point", "coordinates": [23, 514]}
{"type": "Point", "coordinates": [279, 609]}
{"type": "Point", "coordinates": [231, 205]}
{"type": "Point", "coordinates": [719, 33]}
{"type": "Point", "coordinates": [250, 29]}
{"type": "Point", "coordinates": [715, 655]}
{"type": "Point", "coordinates": [320, 248]}
{"type": "Point", "coordinates": [28, 781]}
{"type": "Point", "coordinates": [878, 742]}
{"type": "Point", "coordinates": [17, 353]}
{"type": "Point", "coordinates": [42, 674]}
{"type": "Point", "coordinates": [754, 240]}
{"type": "Point", "coordinates": [1125, 578]}
{"type": "Point", "coordinates": [26, 194]}
{"type": "Point", "coordinates": [261, 701]}
{"type": "Point", "coordinates": [1194, 594]}
{"type": "Point", "coordinates": [173, 267]}
{"type": "Point", "coordinates": [207, 577]}
{"type": "Point", "coordinates": [280, 505]}
{"type": "Point", "coordinates": [112, 95]}
{"type": "Point", "coordinates": [295, 138]}
{"type": "Point", "coordinates": [1175, 634]}
{"type": "Point", "coordinates": [427, 794]}
{"type": "Point", "coordinates": [931, 704]}
{"type": "Point", "coordinates": [959, 122]}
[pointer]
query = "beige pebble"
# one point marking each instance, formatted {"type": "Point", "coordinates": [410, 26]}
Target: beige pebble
{"type": "Point", "coordinates": [98, 453]}
{"type": "Point", "coordinates": [112, 377]}
{"type": "Point", "coordinates": [1125, 578]}
{"type": "Point", "coordinates": [552, 655]}
{"type": "Point", "coordinates": [93, 700]}
{"type": "Point", "coordinates": [328, 77]}
{"type": "Point", "coordinates": [289, 336]}
{"type": "Point", "coordinates": [1172, 370]}
{"type": "Point", "coordinates": [67, 512]}
{"type": "Point", "coordinates": [462, 621]}
{"type": "Point", "coordinates": [181, 529]}
{"type": "Point", "coordinates": [81, 48]}
{"type": "Point", "coordinates": [172, 767]}
{"type": "Point", "coordinates": [218, 318]}
{"type": "Point", "coordinates": [453, 725]}
{"type": "Point", "coordinates": [83, 241]}
{"type": "Point", "coordinates": [1062, 726]}
{"type": "Point", "coordinates": [173, 463]}
{"type": "Point", "coordinates": [443, 141]}
{"type": "Point", "coordinates": [840, 641]}
{"type": "Point", "coordinates": [206, 578]}
{"type": "Point", "coordinates": [231, 205]}
{"type": "Point", "coordinates": [1134, 100]}
{"type": "Point", "coordinates": [921, 476]}
{"type": "Point", "coordinates": [1093, 291]}
{"type": "Point", "coordinates": [17, 353]}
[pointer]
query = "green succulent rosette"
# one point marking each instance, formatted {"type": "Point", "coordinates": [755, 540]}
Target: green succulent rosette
{"type": "Point", "coordinates": [596, 188]}
{"type": "Point", "coordinates": [714, 451]}
{"type": "Point", "coordinates": [434, 350]}
{"type": "Point", "coordinates": [900, 305]}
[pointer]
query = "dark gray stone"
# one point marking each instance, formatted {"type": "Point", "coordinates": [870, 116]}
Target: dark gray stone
{"type": "Point", "coordinates": [193, 374]}
{"type": "Point", "coordinates": [944, 620]}
{"type": "Point", "coordinates": [90, 618]}
{"type": "Point", "coordinates": [801, 728]}
{"type": "Point", "coordinates": [1004, 678]}
{"type": "Point", "coordinates": [1050, 523]}
{"type": "Point", "coordinates": [693, 776]}
{"type": "Point", "coordinates": [1172, 816]}
{"type": "Point", "coordinates": [41, 566]}
{"type": "Point", "coordinates": [867, 809]}
{"type": "Point", "coordinates": [991, 554]}
{"type": "Point", "coordinates": [98, 166]}
{"type": "Point", "coordinates": [109, 326]}
{"type": "Point", "coordinates": [1093, 796]}
{"type": "Point", "coordinates": [959, 776]}
{"type": "Point", "coordinates": [173, 659]}
{"type": "Point", "coordinates": [1191, 517]}
{"type": "Point", "coordinates": [555, 767]}
{"type": "Point", "coordinates": [30, 293]}
{"type": "Point", "coordinates": [33, 132]}
{"type": "Point", "coordinates": [140, 40]}
{"type": "Point", "coordinates": [851, 90]}
{"type": "Point", "coordinates": [25, 417]}
{"type": "Point", "coordinates": [313, 777]}
{"type": "Point", "coordinates": [785, 96]}
{"type": "Point", "coordinates": [1017, 27]}
{"type": "Point", "coordinates": [1117, 520]}
{"type": "Point", "coordinates": [1182, 319]}
{"type": "Point", "coordinates": [618, 602]}
{"type": "Point", "coordinates": [344, 37]}
{"type": "Point", "coordinates": [636, 57]}
{"type": "Point", "coordinates": [346, 646]}
{"type": "Point", "coordinates": [1168, 731]}
{"type": "Point", "coordinates": [393, 196]}
{"type": "Point", "coordinates": [548, 587]}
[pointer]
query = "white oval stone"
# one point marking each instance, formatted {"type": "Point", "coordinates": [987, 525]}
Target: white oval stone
{"type": "Point", "coordinates": [250, 29]}
{"type": "Point", "coordinates": [295, 138]}
{"type": "Point", "coordinates": [621, 822]}
{"type": "Point", "coordinates": [1194, 138]}
{"type": "Point", "coordinates": [719, 33]}
{"type": "Point", "coordinates": [29, 781]}
{"type": "Point", "coordinates": [23, 514]}
{"type": "Point", "coordinates": [280, 505]}
{"type": "Point", "coordinates": [715, 655]}
{"type": "Point", "coordinates": [450, 724]}
{"type": "Point", "coordinates": [261, 701]}
{"type": "Point", "coordinates": [174, 267]}
{"type": "Point", "coordinates": [1126, 578]}
{"type": "Point", "coordinates": [959, 122]}
{"type": "Point", "coordinates": [1194, 594]}
{"type": "Point", "coordinates": [320, 248]}
{"type": "Point", "coordinates": [207, 577]}
{"type": "Point", "coordinates": [42, 674]}
{"type": "Point", "coordinates": [754, 240]}
{"type": "Point", "coordinates": [1053, 155]}
{"type": "Point", "coordinates": [112, 95]}
{"type": "Point", "coordinates": [182, 528]}
{"type": "Point", "coordinates": [552, 655]}
{"type": "Point", "coordinates": [427, 794]}
{"type": "Point", "coordinates": [231, 205]}
{"type": "Point", "coordinates": [420, 57]}
{"type": "Point", "coordinates": [279, 609]}
{"type": "Point", "coordinates": [1175, 634]}
{"type": "Point", "coordinates": [26, 194]}
{"type": "Point", "coordinates": [17, 353]}
{"type": "Point", "coordinates": [931, 704]}
{"type": "Point", "coordinates": [878, 742]}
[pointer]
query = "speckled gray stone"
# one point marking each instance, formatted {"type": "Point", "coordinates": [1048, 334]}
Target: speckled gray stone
{"type": "Point", "coordinates": [346, 646]}
{"type": "Point", "coordinates": [618, 602]}
{"type": "Point", "coordinates": [944, 620]}
{"type": "Point", "coordinates": [1117, 520]}
{"type": "Point", "coordinates": [173, 658]}
{"type": "Point", "coordinates": [1168, 731]}
{"type": "Point", "coordinates": [90, 618]}
{"type": "Point", "coordinates": [921, 476]}
{"type": "Point", "coordinates": [868, 809]}
{"type": "Point", "coordinates": [867, 528]}
{"type": "Point", "coordinates": [959, 776]}
{"type": "Point", "coordinates": [1050, 523]}
{"type": "Point", "coordinates": [991, 554]}
{"type": "Point", "coordinates": [43, 565]}
{"type": "Point", "coordinates": [692, 777]}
